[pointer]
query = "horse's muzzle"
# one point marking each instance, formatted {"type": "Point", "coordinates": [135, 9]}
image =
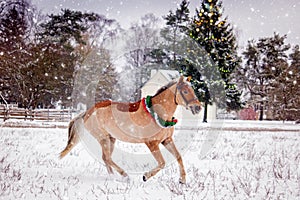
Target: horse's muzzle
{"type": "Point", "coordinates": [195, 109]}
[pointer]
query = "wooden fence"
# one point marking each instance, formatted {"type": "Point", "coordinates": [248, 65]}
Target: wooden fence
{"type": "Point", "coordinates": [12, 112]}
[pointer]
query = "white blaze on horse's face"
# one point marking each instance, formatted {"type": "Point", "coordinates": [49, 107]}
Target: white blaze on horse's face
{"type": "Point", "coordinates": [187, 97]}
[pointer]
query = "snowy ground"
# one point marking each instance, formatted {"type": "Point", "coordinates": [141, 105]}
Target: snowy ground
{"type": "Point", "coordinates": [249, 160]}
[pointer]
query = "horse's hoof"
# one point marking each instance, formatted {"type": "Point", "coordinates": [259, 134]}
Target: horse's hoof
{"type": "Point", "coordinates": [144, 178]}
{"type": "Point", "coordinates": [124, 174]}
{"type": "Point", "coordinates": [182, 181]}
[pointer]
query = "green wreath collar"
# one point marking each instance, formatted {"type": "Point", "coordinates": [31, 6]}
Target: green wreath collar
{"type": "Point", "coordinates": [147, 104]}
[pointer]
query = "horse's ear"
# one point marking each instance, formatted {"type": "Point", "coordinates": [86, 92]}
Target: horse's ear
{"type": "Point", "coordinates": [180, 79]}
{"type": "Point", "coordinates": [189, 78]}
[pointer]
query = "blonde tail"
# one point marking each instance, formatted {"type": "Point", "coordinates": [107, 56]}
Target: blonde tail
{"type": "Point", "coordinates": [73, 138]}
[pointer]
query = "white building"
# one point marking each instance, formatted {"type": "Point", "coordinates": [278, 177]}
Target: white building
{"type": "Point", "coordinates": [160, 78]}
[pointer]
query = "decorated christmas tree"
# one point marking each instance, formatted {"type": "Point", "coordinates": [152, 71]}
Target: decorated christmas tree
{"type": "Point", "coordinates": [215, 35]}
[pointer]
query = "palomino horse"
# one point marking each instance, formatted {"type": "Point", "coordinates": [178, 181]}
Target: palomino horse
{"type": "Point", "coordinates": [148, 121]}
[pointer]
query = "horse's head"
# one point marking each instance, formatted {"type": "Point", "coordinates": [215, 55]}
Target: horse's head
{"type": "Point", "coordinates": [186, 97]}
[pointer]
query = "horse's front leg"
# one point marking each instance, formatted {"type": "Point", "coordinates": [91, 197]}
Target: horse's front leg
{"type": "Point", "coordinates": [154, 148]}
{"type": "Point", "coordinates": [170, 146]}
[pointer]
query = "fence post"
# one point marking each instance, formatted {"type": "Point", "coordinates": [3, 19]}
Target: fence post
{"type": "Point", "coordinates": [6, 113]}
{"type": "Point", "coordinates": [26, 114]}
{"type": "Point", "coordinates": [31, 112]}
{"type": "Point", "coordinates": [70, 114]}
{"type": "Point", "coordinates": [48, 115]}
{"type": "Point", "coordinates": [63, 114]}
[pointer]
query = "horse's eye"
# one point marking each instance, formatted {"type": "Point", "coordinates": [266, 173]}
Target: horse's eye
{"type": "Point", "coordinates": [185, 92]}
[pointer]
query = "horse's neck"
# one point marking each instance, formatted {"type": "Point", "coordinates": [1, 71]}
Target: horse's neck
{"type": "Point", "coordinates": [164, 103]}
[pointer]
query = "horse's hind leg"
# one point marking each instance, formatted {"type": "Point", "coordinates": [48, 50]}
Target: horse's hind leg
{"type": "Point", "coordinates": [112, 144]}
{"type": "Point", "coordinates": [154, 148]}
{"type": "Point", "coordinates": [170, 146]}
{"type": "Point", "coordinates": [107, 145]}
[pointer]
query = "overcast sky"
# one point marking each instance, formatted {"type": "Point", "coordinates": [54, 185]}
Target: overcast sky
{"type": "Point", "coordinates": [252, 18]}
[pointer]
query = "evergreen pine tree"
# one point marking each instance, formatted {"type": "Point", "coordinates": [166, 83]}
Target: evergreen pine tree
{"type": "Point", "coordinates": [14, 49]}
{"type": "Point", "coordinates": [13, 28]}
{"type": "Point", "coordinates": [216, 36]}
{"type": "Point", "coordinates": [168, 54]}
{"type": "Point", "coordinates": [175, 31]}
{"type": "Point", "coordinates": [266, 63]}
{"type": "Point", "coordinates": [294, 74]}
{"type": "Point", "coordinates": [67, 27]}
{"type": "Point", "coordinates": [180, 52]}
{"type": "Point", "coordinates": [60, 36]}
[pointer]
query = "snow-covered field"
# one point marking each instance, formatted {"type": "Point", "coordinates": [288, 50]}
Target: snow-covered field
{"type": "Point", "coordinates": [249, 160]}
